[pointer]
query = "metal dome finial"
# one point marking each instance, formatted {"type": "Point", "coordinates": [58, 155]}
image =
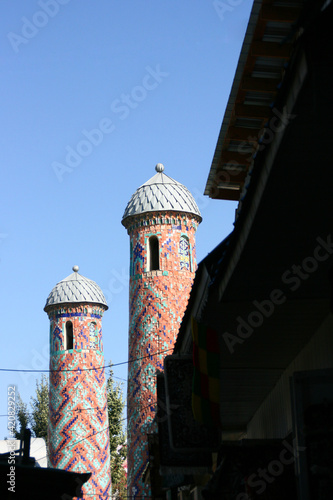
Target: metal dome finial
{"type": "Point", "coordinates": [159, 167]}
{"type": "Point", "coordinates": [75, 289]}
{"type": "Point", "coordinates": [160, 193]}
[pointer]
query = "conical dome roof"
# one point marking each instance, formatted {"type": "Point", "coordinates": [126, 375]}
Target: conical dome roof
{"type": "Point", "coordinates": [75, 288]}
{"type": "Point", "coordinates": [161, 193]}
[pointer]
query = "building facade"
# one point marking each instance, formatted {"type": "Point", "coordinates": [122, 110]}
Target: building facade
{"type": "Point", "coordinates": [161, 219]}
{"type": "Point", "coordinates": [265, 292]}
{"type": "Point", "coordinates": [78, 432]}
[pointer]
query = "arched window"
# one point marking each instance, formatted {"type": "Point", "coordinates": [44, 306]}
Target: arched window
{"type": "Point", "coordinates": [184, 253]}
{"type": "Point", "coordinates": [69, 336]}
{"type": "Point", "coordinates": [153, 257]}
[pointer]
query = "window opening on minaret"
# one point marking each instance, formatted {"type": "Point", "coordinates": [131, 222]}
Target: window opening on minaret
{"type": "Point", "coordinates": [154, 259]}
{"type": "Point", "coordinates": [184, 253]}
{"type": "Point", "coordinates": [69, 335]}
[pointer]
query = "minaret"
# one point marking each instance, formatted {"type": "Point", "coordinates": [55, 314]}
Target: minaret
{"type": "Point", "coordinates": [161, 219]}
{"type": "Point", "coordinates": [78, 433]}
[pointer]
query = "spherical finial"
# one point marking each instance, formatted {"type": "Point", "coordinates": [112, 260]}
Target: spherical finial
{"type": "Point", "coordinates": [159, 167]}
{"type": "Point", "coordinates": [75, 269]}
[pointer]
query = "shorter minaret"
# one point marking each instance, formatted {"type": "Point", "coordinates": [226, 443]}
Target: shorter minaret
{"type": "Point", "coordinates": [78, 433]}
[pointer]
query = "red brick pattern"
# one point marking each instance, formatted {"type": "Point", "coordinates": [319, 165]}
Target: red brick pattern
{"type": "Point", "coordinates": [158, 300]}
{"type": "Point", "coordinates": [78, 418]}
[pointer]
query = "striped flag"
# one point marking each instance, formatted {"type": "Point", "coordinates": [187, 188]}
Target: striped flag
{"type": "Point", "coordinates": [206, 376]}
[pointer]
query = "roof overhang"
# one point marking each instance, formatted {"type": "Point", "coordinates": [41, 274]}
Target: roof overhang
{"type": "Point", "coordinates": [261, 68]}
{"type": "Point", "coordinates": [271, 291]}
{"type": "Point", "coordinates": [275, 281]}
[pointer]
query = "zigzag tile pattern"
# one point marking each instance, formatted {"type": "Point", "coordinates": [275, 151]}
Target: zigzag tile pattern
{"type": "Point", "coordinates": [78, 420]}
{"type": "Point", "coordinates": [158, 301]}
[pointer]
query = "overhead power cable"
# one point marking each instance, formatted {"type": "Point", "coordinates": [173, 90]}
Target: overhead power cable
{"type": "Point", "coordinates": [98, 432]}
{"type": "Point", "coordinates": [85, 369]}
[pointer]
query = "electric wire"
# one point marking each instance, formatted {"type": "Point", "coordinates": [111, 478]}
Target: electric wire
{"type": "Point", "coordinates": [90, 369]}
{"type": "Point", "coordinates": [112, 365]}
{"type": "Point", "coordinates": [70, 445]}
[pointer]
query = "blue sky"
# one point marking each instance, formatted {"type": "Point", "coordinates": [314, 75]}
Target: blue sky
{"type": "Point", "coordinates": [94, 94]}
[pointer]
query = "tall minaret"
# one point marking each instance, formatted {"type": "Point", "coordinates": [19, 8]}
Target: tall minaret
{"type": "Point", "coordinates": [161, 219]}
{"type": "Point", "coordinates": [78, 434]}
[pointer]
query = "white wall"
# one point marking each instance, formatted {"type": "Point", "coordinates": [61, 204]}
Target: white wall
{"type": "Point", "coordinates": [37, 449]}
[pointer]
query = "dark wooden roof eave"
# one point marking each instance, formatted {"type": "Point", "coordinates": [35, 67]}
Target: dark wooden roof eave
{"type": "Point", "coordinates": [249, 82]}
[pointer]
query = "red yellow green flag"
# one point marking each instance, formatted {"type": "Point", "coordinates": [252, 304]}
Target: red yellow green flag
{"type": "Point", "coordinates": [206, 376]}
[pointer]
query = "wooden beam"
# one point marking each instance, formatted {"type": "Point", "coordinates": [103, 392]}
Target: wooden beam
{"type": "Point", "coordinates": [248, 111]}
{"type": "Point", "coordinates": [235, 158]}
{"type": "Point", "coordinates": [260, 84]}
{"type": "Point", "coordinates": [271, 49]}
{"type": "Point", "coordinates": [229, 176]}
{"type": "Point", "coordinates": [281, 14]}
{"type": "Point", "coordinates": [224, 194]}
{"type": "Point", "coordinates": [243, 134]}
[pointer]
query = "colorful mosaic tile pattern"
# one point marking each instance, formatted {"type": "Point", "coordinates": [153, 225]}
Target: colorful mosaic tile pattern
{"type": "Point", "coordinates": [158, 299]}
{"type": "Point", "coordinates": [78, 420]}
{"type": "Point", "coordinates": [184, 253]}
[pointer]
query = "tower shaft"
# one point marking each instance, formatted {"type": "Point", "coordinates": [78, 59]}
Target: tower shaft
{"type": "Point", "coordinates": [78, 431]}
{"type": "Point", "coordinates": [162, 269]}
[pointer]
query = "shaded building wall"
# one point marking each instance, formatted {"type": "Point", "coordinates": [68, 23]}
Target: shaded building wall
{"type": "Point", "coordinates": [78, 433]}
{"type": "Point", "coordinates": [273, 419]}
{"type": "Point", "coordinates": [158, 299]}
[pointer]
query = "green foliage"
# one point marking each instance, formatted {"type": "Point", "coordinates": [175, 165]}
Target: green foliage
{"type": "Point", "coordinates": [118, 450]}
{"type": "Point", "coordinates": [37, 418]}
{"type": "Point", "coordinates": [22, 417]}
{"type": "Point", "coordinates": [40, 409]}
